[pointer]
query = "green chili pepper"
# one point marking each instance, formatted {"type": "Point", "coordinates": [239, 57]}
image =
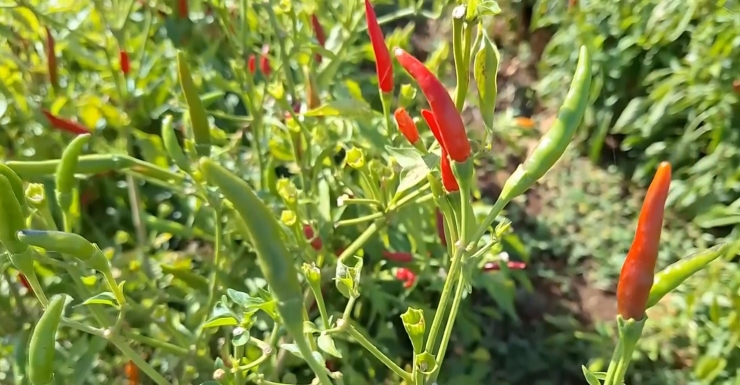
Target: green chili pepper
{"type": "Point", "coordinates": [13, 219]}
{"type": "Point", "coordinates": [65, 181]}
{"type": "Point", "coordinates": [198, 114]}
{"type": "Point", "coordinates": [672, 276]}
{"type": "Point", "coordinates": [16, 183]}
{"type": "Point", "coordinates": [260, 226]}
{"type": "Point", "coordinates": [41, 349]}
{"type": "Point", "coordinates": [61, 242]}
{"type": "Point", "coordinates": [195, 281]}
{"type": "Point", "coordinates": [65, 172]}
{"type": "Point", "coordinates": [76, 246]}
{"type": "Point", "coordinates": [95, 164]}
{"type": "Point", "coordinates": [485, 71]}
{"type": "Point", "coordinates": [553, 144]}
{"type": "Point", "coordinates": [172, 146]}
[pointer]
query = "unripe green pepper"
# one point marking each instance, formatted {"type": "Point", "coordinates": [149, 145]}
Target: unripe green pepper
{"type": "Point", "coordinates": [260, 226]}
{"type": "Point", "coordinates": [65, 179]}
{"type": "Point", "coordinates": [172, 146]}
{"type": "Point", "coordinates": [16, 183]}
{"type": "Point", "coordinates": [61, 242]}
{"type": "Point", "coordinates": [201, 129]}
{"type": "Point", "coordinates": [41, 349]}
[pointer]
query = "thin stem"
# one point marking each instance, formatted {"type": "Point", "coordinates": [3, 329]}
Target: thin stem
{"type": "Point", "coordinates": [348, 309]}
{"type": "Point", "coordinates": [611, 372]}
{"type": "Point", "coordinates": [358, 220]}
{"type": "Point", "coordinates": [138, 360]}
{"type": "Point", "coordinates": [322, 306]}
{"type": "Point", "coordinates": [448, 328]}
{"type": "Point", "coordinates": [406, 376]}
{"type": "Point", "coordinates": [483, 227]}
{"type": "Point", "coordinates": [159, 344]}
{"type": "Point", "coordinates": [142, 244]}
{"type": "Point", "coordinates": [364, 237]}
{"type": "Point", "coordinates": [238, 373]}
{"type": "Point", "coordinates": [442, 308]}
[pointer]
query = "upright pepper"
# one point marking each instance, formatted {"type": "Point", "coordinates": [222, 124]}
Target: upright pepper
{"type": "Point", "coordinates": [41, 348]}
{"type": "Point", "coordinates": [252, 64]}
{"type": "Point", "coordinates": [451, 126]}
{"type": "Point", "coordinates": [258, 224]}
{"type": "Point", "coordinates": [264, 61]}
{"type": "Point", "coordinates": [318, 30]}
{"type": "Point", "coordinates": [383, 65]}
{"type": "Point", "coordinates": [406, 125]}
{"type": "Point", "coordinates": [182, 9]}
{"type": "Point", "coordinates": [51, 58]}
{"type": "Point", "coordinates": [553, 144]}
{"type": "Point", "coordinates": [125, 63]}
{"type": "Point", "coordinates": [65, 180]}
{"type": "Point", "coordinates": [636, 278]}
{"type": "Point", "coordinates": [196, 110]}
{"type": "Point", "coordinates": [65, 124]}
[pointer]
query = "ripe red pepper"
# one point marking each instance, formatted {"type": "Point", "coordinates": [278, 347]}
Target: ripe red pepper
{"type": "Point", "coordinates": [22, 279]}
{"type": "Point", "coordinates": [406, 125]}
{"type": "Point", "coordinates": [448, 177]}
{"type": "Point", "coordinates": [318, 30]}
{"type": "Point", "coordinates": [252, 64]}
{"type": "Point", "coordinates": [182, 9]}
{"type": "Point", "coordinates": [383, 65]}
{"type": "Point", "coordinates": [407, 276]}
{"type": "Point", "coordinates": [513, 265]}
{"type": "Point", "coordinates": [316, 242]}
{"type": "Point", "coordinates": [638, 270]}
{"type": "Point", "coordinates": [451, 126]}
{"type": "Point", "coordinates": [65, 124]}
{"type": "Point", "coordinates": [264, 62]}
{"type": "Point", "coordinates": [398, 256]}
{"type": "Point", "coordinates": [125, 64]}
{"type": "Point", "coordinates": [432, 123]}
{"type": "Point", "coordinates": [51, 59]}
{"type": "Point", "coordinates": [441, 228]}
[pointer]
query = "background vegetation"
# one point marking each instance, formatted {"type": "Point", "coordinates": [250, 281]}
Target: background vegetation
{"type": "Point", "coordinates": [667, 88]}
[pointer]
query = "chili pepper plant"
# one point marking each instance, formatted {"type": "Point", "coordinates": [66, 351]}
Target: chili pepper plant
{"type": "Point", "coordinates": [282, 329]}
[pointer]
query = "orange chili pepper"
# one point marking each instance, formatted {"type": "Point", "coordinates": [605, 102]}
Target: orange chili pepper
{"type": "Point", "coordinates": [406, 125]}
{"type": "Point", "coordinates": [65, 124]}
{"type": "Point", "coordinates": [132, 373]}
{"type": "Point", "coordinates": [638, 270]}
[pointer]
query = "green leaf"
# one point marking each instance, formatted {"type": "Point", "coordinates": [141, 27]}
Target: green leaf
{"type": "Point", "coordinates": [310, 328]}
{"type": "Point", "coordinates": [326, 343]}
{"type": "Point", "coordinates": [344, 107]}
{"type": "Point", "coordinates": [222, 321]}
{"type": "Point", "coordinates": [240, 337]}
{"type": "Point", "coordinates": [590, 377]}
{"type": "Point", "coordinates": [488, 8]}
{"type": "Point", "coordinates": [105, 298]}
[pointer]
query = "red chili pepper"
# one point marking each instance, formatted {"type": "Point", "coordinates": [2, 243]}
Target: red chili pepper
{"type": "Point", "coordinates": [451, 127]}
{"type": "Point", "coordinates": [638, 269]}
{"type": "Point", "coordinates": [448, 177]}
{"type": "Point", "coordinates": [132, 372]}
{"type": "Point", "coordinates": [182, 9]}
{"type": "Point", "coordinates": [316, 242]}
{"type": "Point", "coordinates": [125, 64]}
{"type": "Point", "coordinates": [318, 30]}
{"type": "Point", "coordinates": [399, 256]}
{"type": "Point", "coordinates": [432, 123]}
{"type": "Point", "coordinates": [383, 65]}
{"type": "Point", "coordinates": [22, 279]}
{"type": "Point", "coordinates": [252, 64]}
{"type": "Point", "coordinates": [264, 62]}
{"type": "Point", "coordinates": [514, 265]}
{"type": "Point", "coordinates": [65, 124]}
{"type": "Point", "coordinates": [407, 276]}
{"type": "Point", "coordinates": [51, 58]}
{"type": "Point", "coordinates": [406, 125]}
{"type": "Point", "coordinates": [441, 228]}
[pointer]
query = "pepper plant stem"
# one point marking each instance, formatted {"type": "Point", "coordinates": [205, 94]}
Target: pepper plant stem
{"type": "Point", "coordinates": [406, 376]}
{"type": "Point", "coordinates": [442, 308]}
{"type": "Point", "coordinates": [440, 356]}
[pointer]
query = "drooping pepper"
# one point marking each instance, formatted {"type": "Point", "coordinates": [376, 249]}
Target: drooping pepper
{"type": "Point", "coordinates": [51, 58]}
{"type": "Point", "coordinates": [316, 242]}
{"type": "Point", "coordinates": [451, 126]}
{"type": "Point", "coordinates": [383, 65]}
{"type": "Point", "coordinates": [182, 9]}
{"type": "Point", "coordinates": [65, 125]}
{"type": "Point", "coordinates": [41, 348]}
{"type": "Point", "coordinates": [406, 125]}
{"type": "Point", "coordinates": [636, 278]}
{"type": "Point", "coordinates": [448, 177]}
{"type": "Point", "coordinates": [407, 276]}
{"type": "Point", "coordinates": [318, 30]}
